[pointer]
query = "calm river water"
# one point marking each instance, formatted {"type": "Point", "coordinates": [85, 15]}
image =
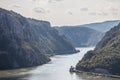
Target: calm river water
{"type": "Point", "coordinates": [57, 69]}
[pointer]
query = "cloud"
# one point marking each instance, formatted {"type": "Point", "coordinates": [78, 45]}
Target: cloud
{"type": "Point", "coordinates": [84, 9]}
{"type": "Point", "coordinates": [70, 13]}
{"type": "Point", "coordinates": [58, 0]}
{"type": "Point", "coordinates": [93, 13]}
{"type": "Point", "coordinates": [104, 13]}
{"type": "Point", "coordinates": [114, 13]}
{"type": "Point", "coordinates": [114, 0]}
{"type": "Point", "coordinates": [99, 13]}
{"type": "Point", "coordinates": [41, 10]}
{"type": "Point", "coordinates": [111, 11]}
{"type": "Point", "coordinates": [51, 1]}
{"type": "Point", "coordinates": [114, 9]}
{"type": "Point", "coordinates": [32, 0]}
{"type": "Point", "coordinates": [16, 6]}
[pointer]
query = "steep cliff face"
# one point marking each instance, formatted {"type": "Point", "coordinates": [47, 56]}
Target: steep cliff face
{"type": "Point", "coordinates": [106, 56]}
{"type": "Point", "coordinates": [26, 42]}
{"type": "Point", "coordinates": [81, 36]}
{"type": "Point", "coordinates": [51, 38]}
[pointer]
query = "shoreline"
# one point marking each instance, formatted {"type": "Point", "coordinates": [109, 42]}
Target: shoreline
{"type": "Point", "coordinates": [96, 74]}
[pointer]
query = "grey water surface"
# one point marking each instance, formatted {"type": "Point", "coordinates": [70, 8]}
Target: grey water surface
{"type": "Point", "coordinates": [57, 69]}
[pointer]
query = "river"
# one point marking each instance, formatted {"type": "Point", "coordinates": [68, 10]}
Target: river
{"type": "Point", "coordinates": [57, 69]}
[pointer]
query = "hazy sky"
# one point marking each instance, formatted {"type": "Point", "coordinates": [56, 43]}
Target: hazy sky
{"type": "Point", "coordinates": [66, 12]}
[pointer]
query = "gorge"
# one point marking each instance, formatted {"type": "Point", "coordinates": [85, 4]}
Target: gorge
{"type": "Point", "coordinates": [28, 42]}
{"type": "Point", "coordinates": [86, 35]}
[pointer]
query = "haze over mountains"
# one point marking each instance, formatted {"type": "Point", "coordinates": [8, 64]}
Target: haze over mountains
{"type": "Point", "coordinates": [102, 26]}
{"type": "Point", "coordinates": [81, 36]}
{"type": "Point", "coordinates": [86, 35]}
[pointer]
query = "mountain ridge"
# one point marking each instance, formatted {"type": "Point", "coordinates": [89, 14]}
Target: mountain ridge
{"type": "Point", "coordinates": [105, 58]}
{"type": "Point", "coordinates": [28, 42]}
{"type": "Point", "coordinates": [102, 26]}
{"type": "Point", "coordinates": [80, 36]}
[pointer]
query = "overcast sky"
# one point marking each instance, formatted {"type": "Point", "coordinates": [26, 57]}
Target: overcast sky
{"type": "Point", "coordinates": [66, 12]}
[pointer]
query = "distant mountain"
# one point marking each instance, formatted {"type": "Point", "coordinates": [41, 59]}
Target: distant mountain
{"type": "Point", "coordinates": [106, 56]}
{"type": "Point", "coordinates": [102, 26]}
{"type": "Point", "coordinates": [27, 42]}
{"type": "Point", "coordinates": [80, 36]}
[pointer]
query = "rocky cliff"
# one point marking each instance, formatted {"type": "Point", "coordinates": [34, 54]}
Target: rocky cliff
{"type": "Point", "coordinates": [27, 42]}
{"type": "Point", "coordinates": [106, 56]}
{"type": "Point", "coordinates": [81, 36]}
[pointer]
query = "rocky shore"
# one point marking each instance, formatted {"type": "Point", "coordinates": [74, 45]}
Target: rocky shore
{"type": "Point", "coordinates": [105, 58]}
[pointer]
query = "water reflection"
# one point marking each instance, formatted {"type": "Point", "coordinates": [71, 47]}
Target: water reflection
{"type": "Point", "coordinates": [16, 73]}
{"type": "Point", "coordinates": [57, 69]}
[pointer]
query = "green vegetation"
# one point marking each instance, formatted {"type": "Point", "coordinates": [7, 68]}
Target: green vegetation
{"type": "Point", "coordinates": [106, 55]}
{"type": "Point", "coordinates": [28, 42]}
